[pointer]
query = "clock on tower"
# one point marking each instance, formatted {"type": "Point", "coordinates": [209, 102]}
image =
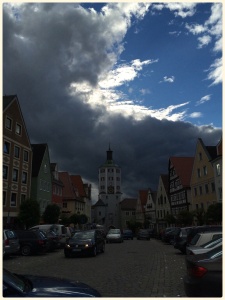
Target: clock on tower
{"type": "Point", "coordinates": [110, 189]}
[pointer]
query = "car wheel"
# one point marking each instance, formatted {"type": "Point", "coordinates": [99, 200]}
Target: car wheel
{"type": "Point", "coordinates": [25, 250]}
{"type": "Point", "coordinates": [94, 251]}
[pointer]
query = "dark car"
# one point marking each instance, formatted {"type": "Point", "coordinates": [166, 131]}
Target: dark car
{"type": "Point", "coordinates": [32, 242]}
{"type": "Point", "coordinates": [53, 239]}
{"type": "Point", "coordinates": [128, 234]}
{"type": "Point", "coordinates": [10, 243]}
{"type": "Point", "coordinates": [88, 242]}
{"type": "Point", "coordinates": [204, 274]}
{"type": "Point", "coordinates": [143, 234]}
{"type": "Point", "coordinates": [15, 285]}
{"type": "Point", "coordinates": [180, 239]}
{"type": "Point", "coordinates": [169, 236]}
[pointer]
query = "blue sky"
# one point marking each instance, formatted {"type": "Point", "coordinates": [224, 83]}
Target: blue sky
{"type": "Point", "coordinates": [146, 77]}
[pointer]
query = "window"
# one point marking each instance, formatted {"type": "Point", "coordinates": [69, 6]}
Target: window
{"type": "Point", "coordinates": [15, 175]}
{"type": "Point", "coordinates": [213, 186]}
{"type": "Point", "coordinates": [13, 199]}
{"type": "Point", "coordinates": [5, 172]}
{"type": "Point", "coordinates": [17, 152]}
{"type": "Point", "coordinates": [205, 170]}
{"type": "Point", "coordinates": [99, 213]}
{"type": "Point", "coordinates": [6, 147]}
{"type": "Point", "coordinates": [23, 198]}
{"type": "Point", "coordinates": [196, 206]}
{"type": "Point", "coordinates": [206, 189]}
{"type": "Point", "coordinates": [64, 205]}
{"type": "Point", "coordinates": [24, 177]}
{"type": "Point", "coordinates": [218, 171]}
{"type": "Point", "coordinates": [25, 155]}
{"type": "Point", "coordinates": [200, 190]}
{"type": "Point", "coordinates": [199, 173]}
{"type": "Point", "coordinates": [4, 198]}
{"type": "Point", "coordinates": [18, 129]}
{"type": "Point", "coordinates": [200, 156]}
{"type": "Point", "coordinates": [8, 123]}
{"type": "Point", "coordinates": [195, 191]}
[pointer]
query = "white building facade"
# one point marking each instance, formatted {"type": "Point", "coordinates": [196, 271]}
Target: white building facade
{"type": "Point", "coordinates": [110, 190]}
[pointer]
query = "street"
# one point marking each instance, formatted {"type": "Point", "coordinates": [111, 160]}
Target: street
{"type": "Point", "coordinates": [134, 268]}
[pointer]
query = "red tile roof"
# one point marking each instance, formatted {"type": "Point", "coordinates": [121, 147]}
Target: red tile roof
{"type": "Point", "coordinates": [183, 167]}
{"type": "Point", "coordinates": [78, 184]}
{"type": "Point", "coordinates": [68, 190]}
{"type": "Point", "coordinates": [128, 204]}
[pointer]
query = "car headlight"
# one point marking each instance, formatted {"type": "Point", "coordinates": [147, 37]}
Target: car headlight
{"type": "Point", "coordinates": [67, 246]}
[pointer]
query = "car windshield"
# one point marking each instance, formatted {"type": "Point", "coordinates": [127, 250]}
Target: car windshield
{"type": "Point", "coordinates": [13, 280]}
{"type": "Point", "coordinates": [212, 243]}
{"type": "Point", "coordinates": [10, 234]}
{"type": "Point", "coordinates": [83, 235]}
{"type": "Point", "coordinates": [114, 231]}
{"type": "Point", "coordinates": [195, 239]}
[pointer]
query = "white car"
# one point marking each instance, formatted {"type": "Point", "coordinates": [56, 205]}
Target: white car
{"type": "Point", "coordinates": [114, 235]}
{"type": "Point", "coordinates": [201, 238]}
{"type": "Point", "coordinates": [205, 247]}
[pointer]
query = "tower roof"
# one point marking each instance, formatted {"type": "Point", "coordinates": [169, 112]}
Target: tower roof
{"type": "Point", "coordinates": [109, 159]}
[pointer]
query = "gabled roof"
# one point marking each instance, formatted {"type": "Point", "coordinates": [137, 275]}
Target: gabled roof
{"type": "Point", "coordinates": [143, 196]}
{"type": "Point", "coordinates": [68, 190]}
{"type": "Point", "coordinates": [7, 100]}
{"type": "Point", "coordinates": [78, 184]}
{"type": "Point", "coordinates": [165, 181]}
{"type": "Point", "coordinates": [183, 167]}
{"type": "Point", "coordinates": [99, 203]}
{"type": "Point", "coordinates": [128, 204]}
{"type": "Point", "coordinates": [38, 155]}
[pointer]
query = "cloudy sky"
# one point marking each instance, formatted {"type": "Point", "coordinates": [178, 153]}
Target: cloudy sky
{"type": "Point", "coordinates": [144, 77]}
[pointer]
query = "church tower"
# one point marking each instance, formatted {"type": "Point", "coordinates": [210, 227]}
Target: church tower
{"type": "Point", "coordinates": [109, 179]}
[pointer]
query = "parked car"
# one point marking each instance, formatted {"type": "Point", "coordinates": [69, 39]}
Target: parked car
{"type": "Point", "coordinates": [169, 236]}
{"type": "Point", "coordinates": [32, 242]}
{"type": "Point", "coordinates": [193, 250]}
{"type": "Point", "coordinates": [165, 231]}
{"type": "Point", "coordinates": [53, 239]}
{"type": "Point", "coordinates": [201, 238]}
{"type": "Point", "coordinates": [30, 286]}
{"type": "Point", "coordinates": [204, 228]}
{"type": "Point", "coordinates": [204, 274]}
{"type": "Point", "coordinates": [143, 234]}
{"type": "Point", "coordinates": [180, 239]}
{"type": "Point", "coordinates": [114, 236]}
{"type": "Point", "coordinates": [88, 242]}
{"type": "Point", "coordinates": [11, 243]}
{"type": "Point", "coordinates": [128, 234]}
{"type": "Point", "coordinates": [59, 229]}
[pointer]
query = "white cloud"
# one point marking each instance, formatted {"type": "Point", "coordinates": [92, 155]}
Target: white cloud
{"type": "Point", "coordinates": [182, 10]}
{"type": "Point", "coordinates": [168, 79]}
{"type": "Point", "coordinates": [204, 41]}
{"type": "Point", "coordinates": [216, 72]}
{"type": "Point", "coordinates": [195, 115]}
{"type": "Point", "coordinates": [203, 100]}
{"type": "Point", "coordinates": [196, 28]}
{"type": "Point", "coordinates": [145, 91]}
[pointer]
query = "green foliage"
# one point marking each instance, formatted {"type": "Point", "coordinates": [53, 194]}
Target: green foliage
{"type": "Point", "coordinates": [51, 214]}
{"type": "Point", "coordinates": [29, 214]}
{"type": "Point", "coordinates": [170, 219]}
{"type": "Point", "coordinates": [185, 218]}
{"type": "Point", "coordinates": [200, 216]}
{"type": "Point", "coordinates": [78, 219]}
{"type": "Point", "coordinates": [214, 213]}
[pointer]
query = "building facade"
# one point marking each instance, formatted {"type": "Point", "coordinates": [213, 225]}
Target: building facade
{"type": "Point", "coordinates": [109, 178]}
{"type": "Point", "coordinates": [17, 160]}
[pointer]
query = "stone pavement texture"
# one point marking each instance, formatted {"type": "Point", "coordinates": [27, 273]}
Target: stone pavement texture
{"type": "Point", "coordinates": [134, 268]}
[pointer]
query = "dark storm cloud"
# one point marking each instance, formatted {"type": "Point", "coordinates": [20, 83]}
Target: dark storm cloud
{"type": "Point", "coordinates": [46, 49]}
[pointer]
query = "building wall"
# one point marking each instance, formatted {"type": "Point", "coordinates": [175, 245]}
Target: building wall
{"type": "Point", "coordinates": [15, 188]}
{"type": "Point", "coordinates": [202, 180]}
{"type": "Point", "coordinates": [162, 205]}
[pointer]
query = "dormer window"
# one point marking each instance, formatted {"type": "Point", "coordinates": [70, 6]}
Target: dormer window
{"type": "Point", "coordinates": [8, 123]}
{"type": "Point", "coordinates": [18, 129]}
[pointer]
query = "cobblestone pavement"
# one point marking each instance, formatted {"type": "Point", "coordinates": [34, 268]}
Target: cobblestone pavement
{"type": "Point", "coordinates": [135, 268]}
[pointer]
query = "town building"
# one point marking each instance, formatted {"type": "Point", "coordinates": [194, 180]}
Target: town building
{"type": "Point", "coordinates": [202, 182]}
{"type": "Point", "coordinates": [140, 208]}
{"type": "Point", "coordinates": [218, 171]}
{"type": "Point", "coordinates": [127, 212]}
{"type": "Point", "coordinates": [162, 202]}
{"type": "Point", "coordinates": [57, 186]}
{"type": "Point", "coordinates": [179, 172]}
{"type": "Point", "coordinates": [41, 183]}
{"type": "Point", "coordinates": [17, 160]}
{"type": "Point", "coordinates": [109, 178]}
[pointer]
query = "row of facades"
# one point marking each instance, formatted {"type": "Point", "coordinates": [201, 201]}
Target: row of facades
{"type": "Point", "coordinates": [29, 174]}
{"type": "Point", "coordinates": [190, 184]}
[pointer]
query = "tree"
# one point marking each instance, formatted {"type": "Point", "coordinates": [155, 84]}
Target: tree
{"type": "Point", "coordinates": [200, 215]}
{"type": "Point", "coordinates": [74, 219]}
{"type": "Point", "coordinates": [170, 219]}
{"type": "Point", "coordinates": [214, 213]}
{"type": "Point", "coordinates": [51, 214]}
{"type": "Point", "coordinates": [185, 217]}
{"type": "Point", "coordinates": [29, 214]}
